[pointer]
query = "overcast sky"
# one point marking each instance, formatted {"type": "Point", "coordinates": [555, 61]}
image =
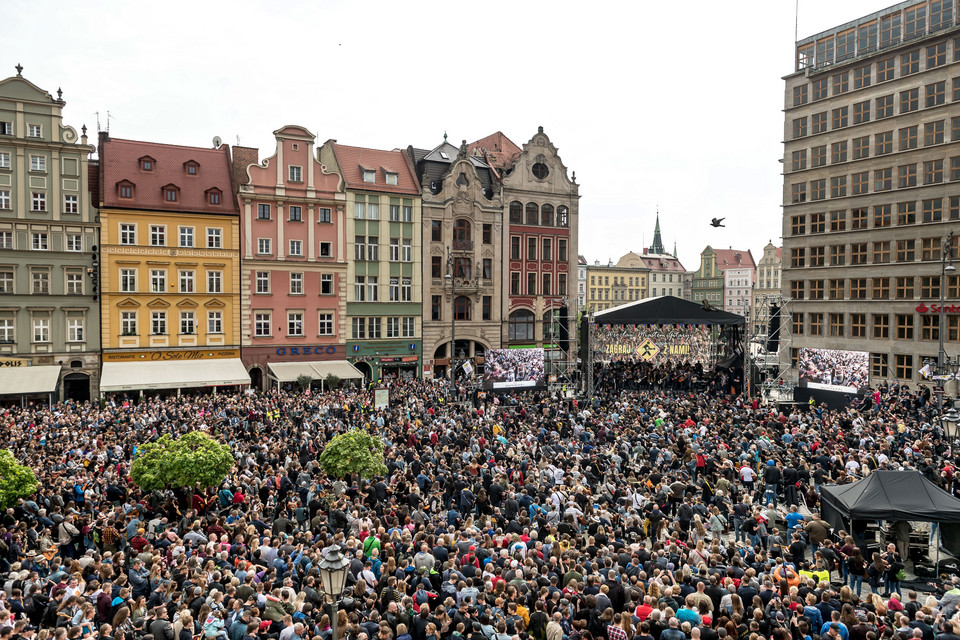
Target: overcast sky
{"type": "Point", "coordinates": [675, 105]}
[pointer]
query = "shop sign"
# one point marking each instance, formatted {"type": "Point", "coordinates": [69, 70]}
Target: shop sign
{"type": "Point", "coordinates": [14, 362]}
{"type": "Point", "coordinates": [170, 356]}
{"type": "Point", "coordinates": [935, 308]}
{"type": "Point", "coordinates": [306, 351]}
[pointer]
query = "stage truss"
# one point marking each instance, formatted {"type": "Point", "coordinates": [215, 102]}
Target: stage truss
{"type": "Point", "coordinates": [770, 368]}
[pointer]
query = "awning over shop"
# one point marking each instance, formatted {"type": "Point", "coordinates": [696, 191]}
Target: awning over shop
{"type": "Point", "coordinates": [177, 374]}
{"type": "Point", "coordinates": [16, 381]}
{"type": "Point", "coordinates": [290, 371]}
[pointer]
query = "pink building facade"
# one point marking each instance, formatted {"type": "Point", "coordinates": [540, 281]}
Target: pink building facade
{"type": "Point", "coordinates": [293, 248]}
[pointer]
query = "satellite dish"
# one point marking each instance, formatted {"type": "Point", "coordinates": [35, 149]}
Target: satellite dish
{"type": "Point", "coordinates": [217, 142]}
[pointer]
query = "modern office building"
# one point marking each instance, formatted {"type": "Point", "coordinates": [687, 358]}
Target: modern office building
{"type": "Point", "coordinates": [49, 308]}
{"type": "Point", "coordinates": [871, 185]}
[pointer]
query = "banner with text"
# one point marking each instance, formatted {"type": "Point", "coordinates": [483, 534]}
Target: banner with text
{"type": "Point", "coordinates": [652, 343]}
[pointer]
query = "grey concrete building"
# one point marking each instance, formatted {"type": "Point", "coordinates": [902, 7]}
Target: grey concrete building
{"type": "Point", "coordinates": [49, 314]}
{"type": "Point", "coordinates": [871, 185]}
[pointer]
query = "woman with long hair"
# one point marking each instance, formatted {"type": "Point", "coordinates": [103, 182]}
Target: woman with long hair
{"type": "Point", "coordinates": [856, 567]}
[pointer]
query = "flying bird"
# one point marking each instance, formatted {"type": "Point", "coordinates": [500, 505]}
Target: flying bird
{"type": "Point", "coordinates": [716, 222]}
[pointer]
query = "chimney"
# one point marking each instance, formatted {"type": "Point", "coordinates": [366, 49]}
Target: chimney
{"type": "Point", "coordinates": [242, 158]}
{"type": "Point", "coordinates": [646, 250]}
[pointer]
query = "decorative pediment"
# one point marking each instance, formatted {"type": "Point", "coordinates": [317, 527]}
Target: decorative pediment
{"type": "Point", "coordinates": [158, 303]}
{"type": "Point", "coordinates": [214, 304]}
{"type": "Point", "coordinates": [128, 303]}
{"type": "Point", "coordinates": [186, 303]}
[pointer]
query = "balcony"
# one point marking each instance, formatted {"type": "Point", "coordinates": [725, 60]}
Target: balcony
{"type": "Point", "coordinates": [463, 245]}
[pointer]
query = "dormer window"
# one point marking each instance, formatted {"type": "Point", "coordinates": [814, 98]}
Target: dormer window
{"type": "Point", "coordinates": [369, 175]}
{"type": "Point", "coordinates": [125, 189]}
{"type": "Point", "coordinates": [147, 163]}
{"type": "Point", "coordinates": [191, 167]}
{"type": "Point", "coordinates": [214, 196]}
{"type": "Point", "coordinates": [392, 178]}
{"type": "Point", "coordinates": [171, 193]}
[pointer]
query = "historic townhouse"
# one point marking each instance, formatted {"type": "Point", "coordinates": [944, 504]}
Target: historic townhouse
{"type": "Point", "coordinates": [871, 186]}
{"type": "Point", "coordinates": [49, 311]}
{"type": "Point", "coordinates": [170, 267]}
{"type": "Point", "coordinates": [461, 254]}
{"type": "Point", "coordinates": [294, 275]}
{"type": "Point", "coordinates": [384, 254]}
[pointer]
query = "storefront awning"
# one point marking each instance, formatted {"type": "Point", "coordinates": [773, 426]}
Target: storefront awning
{"type": "Point", "coordinates": [290, 371]}
{"type": "Point", "coordinates": [16, 381]}
{"type": "Point", "coordinates": [178, 374]}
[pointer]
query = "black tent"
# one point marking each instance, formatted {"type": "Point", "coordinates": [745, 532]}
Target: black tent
{"type": "Point", "coordinates": [893, 496]}
{"type": "Point", "coordinates": [666, 310]}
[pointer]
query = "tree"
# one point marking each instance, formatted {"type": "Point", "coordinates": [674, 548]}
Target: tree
{"type": "Point", "coordinates": [331, 381]}
{"type": "Point", "coordinates": [181, 463]}
{"type": "Point", "coordinates": [16, 480]}
{"type": "Point", "coordinates": [352, 452]}
{"type": "Point", "coordinates": [303, 381]}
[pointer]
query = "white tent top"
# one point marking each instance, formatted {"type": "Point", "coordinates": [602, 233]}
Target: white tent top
{"type": "Point", "coordinates": [133, 376]}
{"type": "Point", "coordinates": [20, 380]}
{"type": "Point", "coordinates": [318, 370]}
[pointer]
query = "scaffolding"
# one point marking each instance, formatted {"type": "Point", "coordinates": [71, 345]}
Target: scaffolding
{"type": "Point", "coordinates": [562, 371]}
{"type": "Point", "coordinates": [771, 369]}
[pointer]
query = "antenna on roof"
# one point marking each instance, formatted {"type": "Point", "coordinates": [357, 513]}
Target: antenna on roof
{"type": "Point", "coordinates": [108, 120]}
{"type": "Point", "coordinates": [238, 139]}
{"type": "Point", "coordinates": [796, 22]}
{"type": "Point", "coordinates": [97, 113]}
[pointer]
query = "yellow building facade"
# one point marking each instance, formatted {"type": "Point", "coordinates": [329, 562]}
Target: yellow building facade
{"type": "Point", "coordinates": [612, 285]}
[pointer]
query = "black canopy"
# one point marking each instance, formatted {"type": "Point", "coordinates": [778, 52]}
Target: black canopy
{"type": "Point", "coordinates": [666, 310]}
{"type": "Point", "coordinates": [889, 495]}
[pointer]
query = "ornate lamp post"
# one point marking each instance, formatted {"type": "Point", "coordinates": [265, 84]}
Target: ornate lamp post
{"type": "Point", "coordinates": [333, 574]}
{"type": "Point", "coordinates": [946, 268]}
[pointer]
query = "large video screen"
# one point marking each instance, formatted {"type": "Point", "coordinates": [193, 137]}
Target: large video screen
{"type": "Point", "coordinates": [655, 344]}
{"type": "Point", "coordinates": [834, 370]}
{"type": "Point", "coordinates": [513, 369]}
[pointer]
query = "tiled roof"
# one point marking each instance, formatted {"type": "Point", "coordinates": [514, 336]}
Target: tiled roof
{"type": "Point", "coordinates": [727, 259]}
{"type": "Point", "coordinates": [499, 150]}
{"type": "Point", "coordinates": [120, 161]}
{"type": "Point", "coordinates": [93, 183]}
{"type": "Point", "coordinates": [353, 160]}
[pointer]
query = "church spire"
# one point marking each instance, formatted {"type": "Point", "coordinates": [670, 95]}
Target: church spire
{"type": "Point", "coordinates": [657, 246]}
{"type": "Point", "coordinates": [674, 248]}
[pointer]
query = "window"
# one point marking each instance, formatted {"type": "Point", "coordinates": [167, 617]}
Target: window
{"type": "Point", "coordinates": [941, 15]}
{"type": "Point", "coordinates": [545, 285]}
{"type": "Point", "coordinates": [6, 281]}
{"type": "Point", "coordinates": [324, 324]}
{"type": "Point", "coordinates": [799, 127]}
{"type": "Point", "coordinates": [531, 248]}
{"type": "Point", "coordinates": [800, 95]}
{"type": "Point", "coordinates": [372, 289]}
{"type": "Point", "coordinates": [532, 215]}
{"type": "Point", "coordinates": [799, 160]}
{"type": "Point", "coordinates": [40, 242]}
{"type": "Point", "coordinates": [818, 222]}
{"type": "Point", "coordinates": [359, 288]}
{"type": "Point", "coordinates": [213, 197]}
{"type": "Point", "coordinates": [858, 253]}
{"type": "Point", "coordinates": [158, 323]}
{"type": "Point", "coordinates": [71, 204]}
{"type": "Point", "coordinates": [126, 191]}
{"type": "Point", "coordinates": [881, 252]}
{"type": "Point", "coordinates": [34, 131]}
{"type": "Point", "coordinates": [860, 182]}
{"type": "Point", "coordinates": [40, 282]}
{"type": "Point", "coordinates": [909, 100]}
{"type": "Point", "coordinates": [406, 290]}
{"type": "Point", "coordinates": [935, 94]}
{"type": "Point", "coordinates": [435, 304]}
{"type": "Point", "coordinates": [39, 200]}
{"type": "Point", "coordinates": [885, 69]}
{"type": "Point", "coordinates": [128, 280]}
{"type": "Point", "coordinates": [929, 287]}
{"type": "Point", "coordinates": [214, 238]}
{"type": "Point", "coordinates": [908, 138]}
{"type": "Point", "coordinates": [393, 327]}
{"type": "Point", "coordinates": [74, 284]}
{"type": "Point", "coordinates": [838, 220]}
{"type": "Point", "coordinates": [294, 323]}
{"type": "Point", "coordinates": [323, 215]}
{"type": "Point", "coordinates": [261, 324]}
{"type": "Point", "coordinates": [214, 322]}
{"type": "Point", "coordinates": [904, 326]}
{"type": "Point", "coordinates": [881, 326]}
{"type": "Point", "coordinates": [263, 211]}
{"type": "Point", "coordinates": [326, 284]}
{"type": "Point", "coordinates": [187, 323]}
{"type": "Point", "coordinates": [547, 251]}
{"type": "Point", "coordinates": [373, 209]}
{"type": "Point", "coordinates": [41, 329]}
{"type": "Point", "coordinates": [904, 288]}
{"type": "Point", "coordinates": [929, 327]}
{"type": "Point", "coordinates": [820, 87]}
{"type": "Point", "coordinates": [409, 327]}
{"type": "Point", "coordinates": [5, 199]}
{"type": "Point", "coordinates": [883, 179]}
{"type": "Point", "coordinates": [861, 112]}
{"type": "Point", "coordinates": [838, 185]}
{"type": "Point", "coordinates": [158, 281]}
{"type": "Point", "coordinates": [915, 24]}
{"type": "Point", "coordinates": [128, 323]}
{"type": "Point", "coordinates": [186, 236]}
{"type": "Point", "coordinates": [296, 248]}
{"type": "Point", "coordinates": [907, 176]}
{"type": "Point", "coordinates": [170, 194]}
{"type": "Point", "coordinates": [878, 364]}
{"type": "Point", "coordinates": [521, 325]}
{"type": "Point", "coordinates": [187, 283]}
{"type": "Point", "coordinates": [883, 143]}
{"type": "Point", "coordinates": [359, 328]}
{"type": "Point", "coordinates": [799, 192]}
{"type": "Point", "coordinates": [546, 215]}
{"type": "Point", "coordinates": [406, 250]}
{"type": "Point", "coordinates": [214, 281]}
{"type": "Point", "coordinates": [885, 106]}
{"type": "Point", "coordinates": [394, 289]}
{"type": "Point", "coordinates": [841, 82]}
{"type": "Point", "coordinates": [262, 279]}
{"type": "Point", "coordinates": [158, 235]}
{"type": "Point", "coordinates": [838, 255]}
{"type": "Point", "coordinates": [818, 155]}
{"type": "Point", "coordinates": [861, 75]}
{"type": "Point", "coordinates": [531, 284]}
{"type": "Point", "coordinates": [836, 324]}
{"type": "Point", "coordinates": [818, 189]}
{"type": "Point", "coordinates": [369, 175]}
{"type": "Point", "coordinates": [263, 246]}
{"type": "Point", "coordinates": [858, 325]}
{"type": "Point", "coordinates": [933, 133]}
{"type": "Point", "coordinates": [905, 251]}
{"type": "Point", "coordinates": [955, 168]}
{"type": "Point", "coordinates": [838, 152]}
{"type": "Point", "coordinates": [861, 147]}
{"type": "Point", "coordinates": [74, 242]}
{"type": "Point", "coordinates": [359, 210]}
{"type": "Point", "coordinates": [858, 288]}
{"type": "Point", "coordinates": [933, 171]}
{"type": "Point", "coordinates": [514, 283]}
{"type": "Point", "coordinates": [815, 289]}
{"type": "Point", "coordinates": [394, 249]}
{"type": "Point", "coordinates": [798, 225]}
{"type": "Point", "coordinates": [796, 324]}
{"type": "Point", "coordinates": [462, 308]}
{"type": "Point", "coordinates": [816, 324]}
{"type": "Point", "coordinates": [932, 210]}
{"type": "Point", "coordinates": [391, 178]}
{"type": "Point", "coordinates": [819, 122]}
{"type": "Point", "coordinates": [798, 257]}
{"type": "Point", "coordinates": [930, 249]}
{"type": "Point", "coordinates": [6, 128]}
{"type": "Point", "coordinates": [882, 215]}
{"type": "Point", "coordinates": [295, 173]}
{"type": "Point", "coordinates": [296, 284]}
{"type": "Point", "coordinates": [562, 284]}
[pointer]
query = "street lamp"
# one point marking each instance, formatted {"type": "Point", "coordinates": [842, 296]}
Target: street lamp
{"type": "Point", "coordinates": [453, 315]}
{"type": "Point", "coordinates": [949, 422]}
{"type": "Point", "coordinates": [946, 268]}
{"type": "Point", "coordinates": [333, 574]}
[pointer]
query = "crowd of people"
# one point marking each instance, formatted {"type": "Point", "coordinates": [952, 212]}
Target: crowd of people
{"type": "Point", "coordinates": [652, 511]}
{"type": "Point", "coordinates": [830, 367]}
{"type": "Point", "coordinates": [512, 367]}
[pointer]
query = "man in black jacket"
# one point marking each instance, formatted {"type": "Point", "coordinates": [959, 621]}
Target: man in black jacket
{"type": "Point", "coordinates": [772, 478]}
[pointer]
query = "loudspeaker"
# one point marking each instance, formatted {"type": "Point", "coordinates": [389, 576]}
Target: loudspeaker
{"type": "Point", "coordinates": [773, 330]}
{"type": "Point", "coordinates": [563, 333]}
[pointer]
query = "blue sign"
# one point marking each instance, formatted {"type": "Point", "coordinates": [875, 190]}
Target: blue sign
{"type": "Point", "coordinates": [356, 347]}
{"type": "Point", "coordinates": [413, 346]}
{"type": "Point", "coordinates": [305, 351]}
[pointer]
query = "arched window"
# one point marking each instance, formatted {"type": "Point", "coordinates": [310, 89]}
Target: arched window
{"type": "Point", "coordinates": [532, 213]}
{"type": "Point", "coordinates": [462, 308]}
{"type": "Point", "coordinates": [546, 215]}
{"type": "Point", "coordinates": [562, 216]}
{"type": "Point", "coordinates": [516, 212]}
{"type": "Point", "coordinates": [521, 325]}
{"type": "Point", "coordinates": [461, 231]}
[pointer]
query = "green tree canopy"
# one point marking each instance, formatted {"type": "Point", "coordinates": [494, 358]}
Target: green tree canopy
{"type": "Point", "coordinates": [181, 462]}
{"type": "Point", "coordinates": [16, 480]}
{"type": "Point", "coordinates": [355, 451]}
